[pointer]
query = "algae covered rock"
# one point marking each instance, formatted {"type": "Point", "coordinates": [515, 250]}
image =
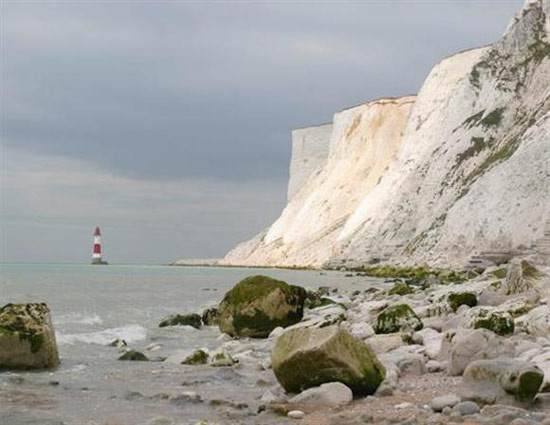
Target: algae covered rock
{"type": "Point", "coordinates": [500, 381]}
{"type": "Point", "coordinates": [134, 355]}
{"type": "Point", "coordinates": [210, 316]}
{"type": "Point", "coordinates": [27, 337]}
{"type": "Point", "coordinates": [400, 288]}
{"type": "Point", "coordinates": [499, 322]}
{"type": "Point", "coordinates": [463, 298]}
{"type": "Point", "coordinates": [193, 320]}
{"type": "Point", "coordinates": [397, 318]}
{"type": "Point", "coordinates": [259, 304]}
{"type": "Point", "coordinates": [197, 357]}
{"type": "Point", "coordinates": [305, 358]}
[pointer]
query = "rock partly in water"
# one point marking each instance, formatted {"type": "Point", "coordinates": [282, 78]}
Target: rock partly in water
{"type": "Point", "coordinates": [305, 358]}
{"type": "Point", "coordinates": [221, 357]}
{"type": "Point", "coordinates": [193, 320]}
{"type": "Point", "coordinates": [397, 318]}
{"type": "Point", "coordinates": [499, 381]}
{"type": "Point", "coordinates": [134, 355]}
{"type": "Point", "coordinates": [199, 356]}
{"type": "Point", "coordinates": [210, 317]}
{"type": "Point", "coordinates": [329, 394]}
{"type": "Point", "coordinates": [259, 304]}
{"type": "Point", "coordinates": [27, 337]}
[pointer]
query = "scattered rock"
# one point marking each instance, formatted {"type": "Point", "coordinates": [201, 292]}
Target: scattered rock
{"type": "Point", "coordinates": [259, 304]}
{"type": "Point", "coordinates": [27, 337]}
{"type": "Point", "coordinates": [397, 318]}
{"type": "Point", "coordinates": [198, 357]}
{"type": "Point", "coordinates": [187, 397]}
{"type": "Point", "coordinates": [412, 364]}
{"type": "Point", "coordinates": [134, 355]}
{"type": "Point", "coordinates": [501, 381]}
{"type": "Point", "coordinates": [210, 317]}
{"type": "Point", "coordinates": [437, 404]}
{"type": "Point", "coordinates": [536, 322]}
{"type": "Point", "coordinates": [193, 320]}
{"type": "Point", "coordinates": [455, 300]}
{"type": "Point", "coordinates": [466, 408]}
{"type": "Point", "coordinates": [271, 397]}
{"type": "Point", "coordinates": [118, 343]}
{"type": "Point", "coordinates": [296, 414]}
{"type": "Point", "coordinates": [329, 394]}
{"type": "Point", "coordinates": [495, 321]}
{"type": "Point", "coordinates": [305, 358]}
{"type": "Point", "coordinates": [222, 358]}
{"type": "Point", "coordinates": [466, 345]}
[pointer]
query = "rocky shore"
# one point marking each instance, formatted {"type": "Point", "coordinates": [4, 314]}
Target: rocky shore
{"type": "Point", "coordinates": [426, 347]}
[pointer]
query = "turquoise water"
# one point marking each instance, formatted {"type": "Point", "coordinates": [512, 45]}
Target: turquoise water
{"type": "Point", "coordinates": [93, 305]}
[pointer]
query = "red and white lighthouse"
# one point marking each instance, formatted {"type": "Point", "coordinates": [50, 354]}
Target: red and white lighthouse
{"type": "Point", "coordinates": [96, 253]}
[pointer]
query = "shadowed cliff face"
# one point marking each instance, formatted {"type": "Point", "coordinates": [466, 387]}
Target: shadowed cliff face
{"type": "Point", "coordinates": [463, 168]}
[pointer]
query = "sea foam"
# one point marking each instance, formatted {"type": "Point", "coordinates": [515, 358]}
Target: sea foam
{"type": "Point", "coordinates": [129, 333]}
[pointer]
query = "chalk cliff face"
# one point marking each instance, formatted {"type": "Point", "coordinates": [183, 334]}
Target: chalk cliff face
{"type": "Point", "coordinates": [462, 168]}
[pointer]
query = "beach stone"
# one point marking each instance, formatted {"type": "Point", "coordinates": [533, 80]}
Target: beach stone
{"type": "Point", "coordinates": [466, 408]}
{"type": "Point", "coordinates": [381, 344]}
{"type": "Point", "coordinates": [536, 322]}
{"type": "Point", "coordinates": [413, 364]}
{"type": "Point", "coordinates": [305, 358]}
{"type": "Point", "coordinates": [193, 320]}
{"type": "Point", "coordinates": [259, 304]}
{"type": "Point", "coordinates": [397, 318]}
{"type": "Point", "coordinates": [437, 404]}
{"type": "Point", "coordinates": [296, 414]}
{"type": "Point", "coordinates": [431, 339]}
{"type": "Point", "coordinates": [197, 357]}
{"type": "Point", "coordinates": [221, 357]}
{"type": "Point", "coordinates": [542, 401]}
{"type": "Point", "coordinates": [272, 397]}
{"type": "Point", "coordinates": [433, 366]}
{"type": "Point", "coordinates": [499, 381]}
{"type": "Point", "coordinates": [329, 394]}
{"type": "Point", "coordinates": [27, 337]}
{"type": "Point", "coordinates": [361, 330]}
{"type": "Point", "coordinates": [134, 355]}
{"type": "Point", "coordinates": [499, 322]}
{"type": "Point", "coordinates": [467, 345]}
{"type": "Point", "coordinates": [210, 316]}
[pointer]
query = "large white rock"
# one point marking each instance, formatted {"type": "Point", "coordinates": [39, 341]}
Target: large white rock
{"type": "Point", "coordinates": [329, 394]}
{"type": "Point", "coordinates": [458, 170]}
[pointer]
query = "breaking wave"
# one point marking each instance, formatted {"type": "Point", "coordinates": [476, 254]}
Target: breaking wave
{"type": "Point", "coordinates": [129, 333]}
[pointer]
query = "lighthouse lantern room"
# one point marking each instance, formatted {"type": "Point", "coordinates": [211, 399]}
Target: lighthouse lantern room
{"type": "Point", "coordinates": [96, 253]}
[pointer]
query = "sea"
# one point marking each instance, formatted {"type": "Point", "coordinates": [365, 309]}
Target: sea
{"type": "Point", "coordinates": [93, 305]}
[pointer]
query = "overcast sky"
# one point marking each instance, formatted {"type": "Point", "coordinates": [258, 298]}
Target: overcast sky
{"type": "Point", "coordinates": [168, 123]}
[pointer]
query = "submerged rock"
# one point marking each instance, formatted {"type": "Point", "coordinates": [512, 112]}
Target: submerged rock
{"type": "Point", "coordinates": [134, 355]}
{"type": "Point", "coordinates": [397, 318]}
{"type": "Point", "coordinates": [197, 357]}
{"type": "Point", "coordinates": [27, 337]}
{"type": "Point", "coordinates": [193, 320]}
{"type": "Point", "coordinates": [259, 304]}
{"type": "Point", "coordinates": [501, 381]}
{"type": "Point", "coordinates": [305, 358]}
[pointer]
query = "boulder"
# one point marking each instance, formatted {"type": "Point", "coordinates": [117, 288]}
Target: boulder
{"type": "Point", "coordinates": [536, 322]}
{"type": "Point", "coordinates": [305, 358]}
{"type": "Point", "coordinates": [499, 381]}
{"type": "Point", "coordinates": [499, 322]}
{"type": "Point", "coordinates": [210, 317]}
{"type": "Point", "coordinates": [134, 355]}
{"type": "Point", "coordinates": [455, 300]}
{"type": "Point", "coordinates": [381, 344]}
{"type": "Point", "coordinates": [199, 356]}
{"type": "Point", "coordinates": [259, 304]}
{"type": "Point", "coordinates": [431, 339]}
{"type": "Point", "coordinates": [329, 394]}
{"type": "Point", "coordinates": [397, 318]}
{"type": "Point", "coordinates": [467, 345]}
{"type": "Point", "coordinates": [193, 320]}
{"type": "Point", "coordinates": [221, 357]}
{"type": "Point", "coordinates": [523, 276]}
{"type": "Point", "coordinates": [27, 337]}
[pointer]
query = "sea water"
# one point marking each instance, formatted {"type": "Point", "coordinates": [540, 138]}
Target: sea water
{"type": "Point", "coordinates": [93, 305]}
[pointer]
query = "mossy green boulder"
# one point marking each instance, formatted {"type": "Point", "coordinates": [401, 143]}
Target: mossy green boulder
{"type": "Point", "coordinates": [463, 298]}
{"type": "Point", "coordinates": [197, 357]}
{"type": "Point", "coordinates": [27, 337]}
{"type": "Point", "coordinates": [397, 318]}
{"type": "Point", "coordinates": [499, 323]}
{"type": "Point", "coordinates": [259, 304]}
{"type": "Point", "coordinates": [193, 320]}
{"type": "Point", "coordinates": [303, 358]}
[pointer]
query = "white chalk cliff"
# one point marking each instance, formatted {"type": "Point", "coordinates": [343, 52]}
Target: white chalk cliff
{"type": "Point", "coordinates": [463, 167]}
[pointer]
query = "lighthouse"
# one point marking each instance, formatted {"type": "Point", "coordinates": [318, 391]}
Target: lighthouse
{"type": "Point", "coordinates": [96, 252]}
